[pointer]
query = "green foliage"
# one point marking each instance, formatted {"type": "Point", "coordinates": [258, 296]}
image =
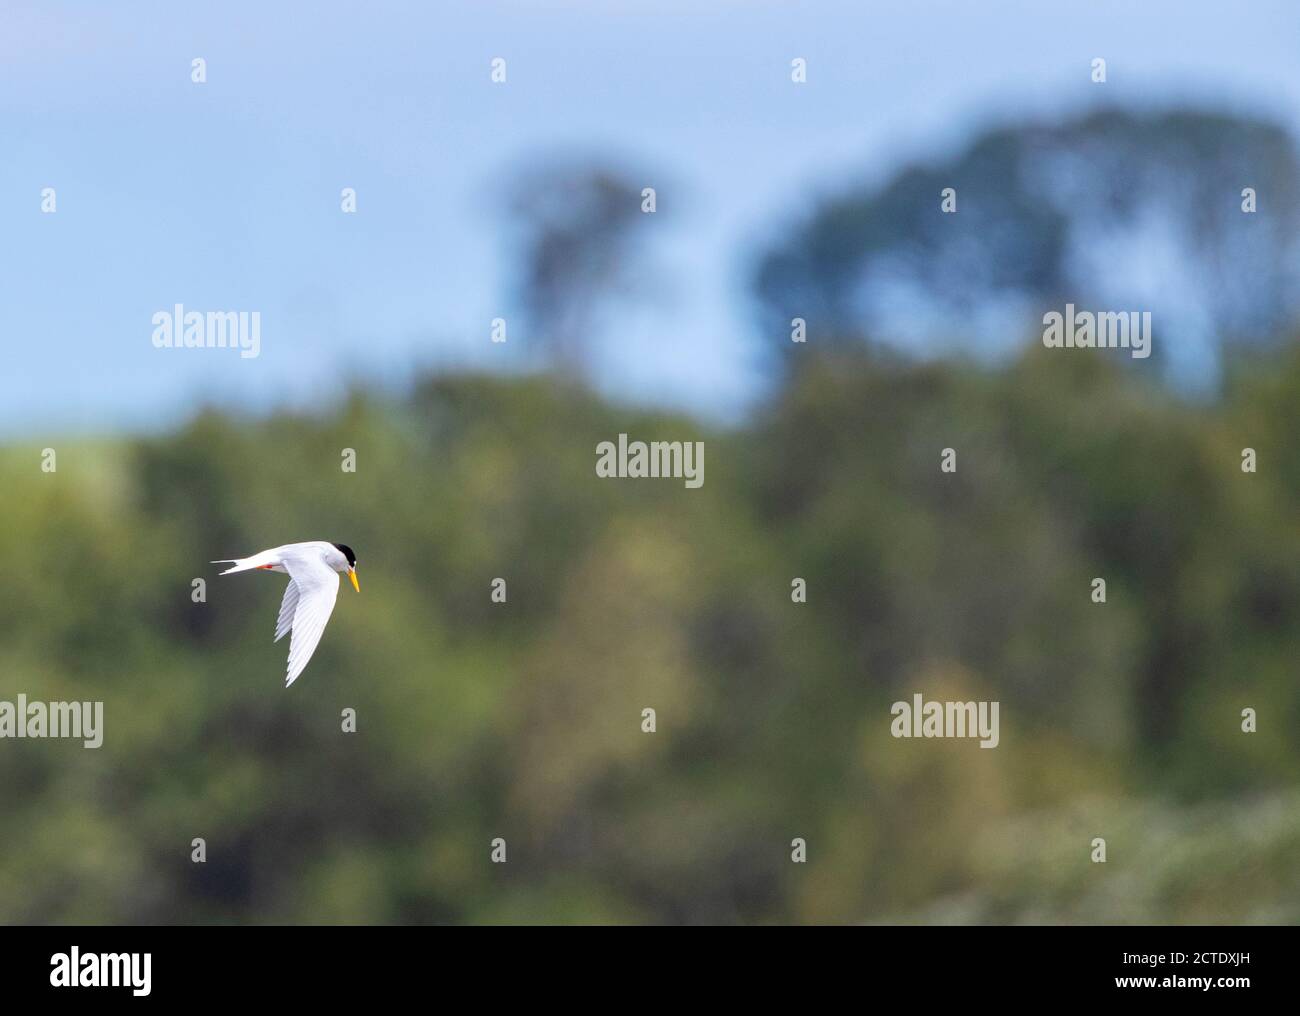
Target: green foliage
{"type": "Point", "coordinates": [522, 720]}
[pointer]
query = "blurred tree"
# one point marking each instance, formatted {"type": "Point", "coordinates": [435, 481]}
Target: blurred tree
{"type": "Point", "coordinates": [578, 249]}
{"type": "Point", "coordinates": [1131, 211]}
{"type": "Point", "coordinates": [523, 720]}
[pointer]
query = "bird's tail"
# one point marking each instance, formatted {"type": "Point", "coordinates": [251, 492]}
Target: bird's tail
{"type": "Point", "coordinates": [240, 563]}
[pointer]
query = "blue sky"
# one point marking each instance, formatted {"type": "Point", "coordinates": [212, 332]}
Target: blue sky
{"type": "Point", "coordinates": [226, 195]}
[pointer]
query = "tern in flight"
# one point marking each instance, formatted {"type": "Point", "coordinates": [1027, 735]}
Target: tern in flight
{"type": "Point", "coordinates": [313, 569]}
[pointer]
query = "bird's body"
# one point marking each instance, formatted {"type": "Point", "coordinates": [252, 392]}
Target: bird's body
{"type": "Point", "coordinates": [313, 569]}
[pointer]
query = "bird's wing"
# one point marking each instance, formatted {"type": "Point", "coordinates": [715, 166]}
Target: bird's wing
{"type": "Point", "coordinates": [287, 608]}
{"type": "Point", "coordinates": [318, 588]}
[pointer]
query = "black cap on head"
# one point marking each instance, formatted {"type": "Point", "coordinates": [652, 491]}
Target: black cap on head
{"type": "Point", "coordinates": [346, 551]}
